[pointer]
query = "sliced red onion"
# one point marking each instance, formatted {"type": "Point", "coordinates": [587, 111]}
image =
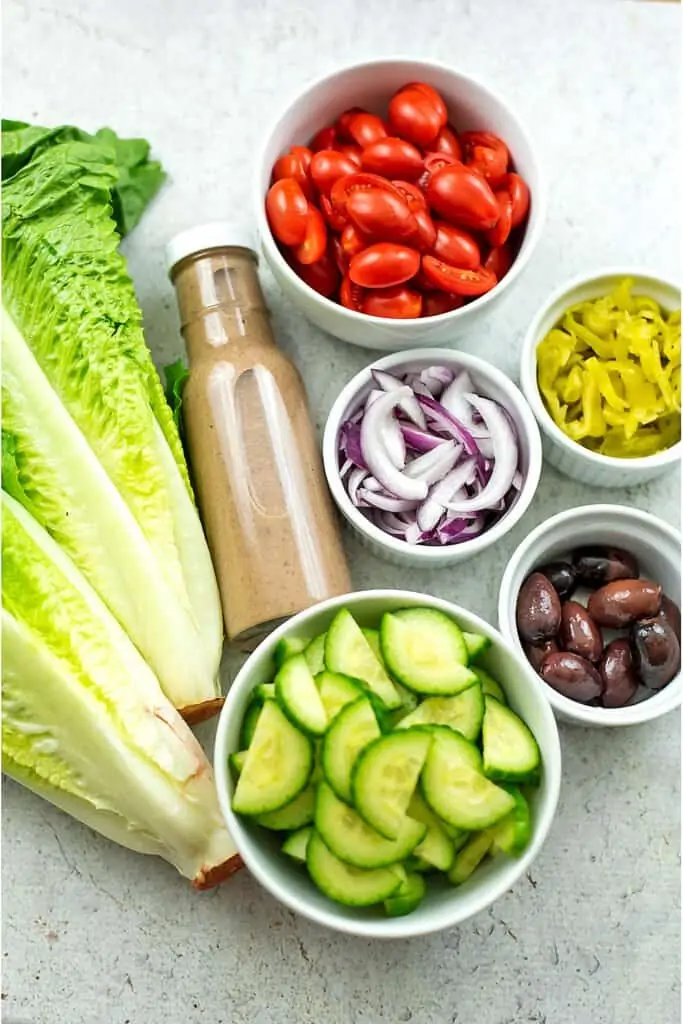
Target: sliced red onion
{"type": "Point", "coordinates": [374, 430]}
{"type": "Point", "coordinates": [409, 405]}
{"type": "Point", "coordinates": [350, 443]}
{"type": "Point", "coordinates": [420, 440]}
{"type": "Point", "coordinates": [505, 464]}
{"type": "Point", "coordinates": [431, 511]}
{"type": "Point", "coordinates": [454, 400]}
{"type": "Point", "coordinates": [346, 466]}
{"type": "Point", "coordinates": [517, 481]}
{"type": "Point", "coordinates": [436, 378]}
{"type": "Point", "coordinates": [449, 425]}
{"type": "Point", "coordinates": [356, 478]}
{"type": "Point", "coordinates": [432, 466]}
{"type": "Point", "coordinates": [393, 437]}
{"type": "Point", "coordinates": [377, 499]}
{"type": "Point", "coordinates": [371, 484]}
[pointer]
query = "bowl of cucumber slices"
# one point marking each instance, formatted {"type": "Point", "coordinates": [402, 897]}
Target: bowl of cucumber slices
{"type": "Point", "coordinates": [386, 764]}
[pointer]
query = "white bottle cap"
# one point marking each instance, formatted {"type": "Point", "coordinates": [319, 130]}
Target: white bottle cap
{"type": "Point", "coordinates": [214, 235]}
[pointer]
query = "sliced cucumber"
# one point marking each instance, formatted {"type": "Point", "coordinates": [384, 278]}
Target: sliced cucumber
{"type": "Point", "coordinates": [264, 691]}
{"type": "Point", "coordinates": [355, 887]}
{"type": "Point", "coordinates": [469, 858]}
{"type": "Point", "coordinates": [354, 727]}
{"type": "Point", "coordinates": [346, 834]}
{"type": "Point", "coordinates": [251, 717]}
{"type": "Point", "coordinates": [347, 651]}
{"type": "Point", "coordinates": [315, 654]}
{"type": "Point", "coordinates": [407, 897]}
{"type": "Point", "coordinates": [490, 686]}
{"type": "Point", "coordinates": [510, 750]}
{"type": "Point", "coordinates": [336, 691]}
{"type": "Point", "coordinates": [277, 767]}
{"type": "Point", "coordinates": [513, 833]}
{"type": "Point", "coordinates": [425, 651]}
{"type": "Point", "coordinates": [476, 644]}
{"type": "Point", "coordinates": [463, 712]}
{"type": "Point", "coordinates": [297, 693]}
{"type": "Point", "coordinates": [455, 786]}
{"type": "Point", "coordinates": [295, 845]}
{"type": "Point", "coordinates": [372, 637]}
{"type": "Point", "coordinates": [297, 813]}
{"type": "Point", "coordinates": [385, 776]}
{"type": "Point", "coordinates": [408, 699]}
{"type": "Point", "coordinates": [286, 647]}
{"type": "Point", "coordinates": [236, 761]}
{"type": "Point", "coordinates": [436, 849]}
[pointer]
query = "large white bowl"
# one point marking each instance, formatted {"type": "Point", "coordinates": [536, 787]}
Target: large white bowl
{"type": "Point", "coordinates": [488, 381]}
{"type": "Point", "coordinates": [371, 84]}
{"type": "Point", "coordinates": [656, 545]}
{"type": "Point", "coordinates": [444, 906]}
{"type": "Point", "coordinates": [569, 456]}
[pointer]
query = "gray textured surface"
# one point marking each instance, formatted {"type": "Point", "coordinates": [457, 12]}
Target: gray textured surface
{"type": "Point", "coordinates": [95, 935]}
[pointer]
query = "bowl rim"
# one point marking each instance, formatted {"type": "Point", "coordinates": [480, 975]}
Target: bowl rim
{"type": "Point", "coordinates": [399, 927]}
{"type": "Point", "coordinates": [529, 383]}
{"type": "Point", "coordinates": [433, 555]}
{"type": "Point", "coordinates": [539, 201]}
{"type": "Point", "coordinates": [662, 702]}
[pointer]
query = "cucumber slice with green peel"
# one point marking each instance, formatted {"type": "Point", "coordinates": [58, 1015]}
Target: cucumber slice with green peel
{"type": "Point", "coordinates": [296, 844]}
{"type": "Point", "coordinates": [476, 644]}
{"type": "Point", "coordinates": [469, 858]}
{"type": "Point", "coordinates": [287, 647]}
{"type": "Point", "coordinates": [264, 691]}
{"type": "Point", "coordinates": [513, 833]}
{"type": "Point", "coordinates": [315, 654]}
{"type": "Point", "coordinates": [489, 685]}
{"type": "Point", "coordinates": [297, 813]}
{"type": "Point", "coordinates": [408, 897]}
{"type": "Point", "coordinates": [348, 652]}
{"type": "Point", "coordinates": [385, 776]}
{"type": "Point", "coordinates": [510, 750]}
{"type": "Point", "coordinates": [336, 691]}
{"type": "Point", "coordinates": [460, 839]}
{"type": "Point", "coordinates": [455, 786]}
{"type": "Point", "coordinates": [436, 849]}
{"type": "Point", "coordinates": [297, 693]}
{"type": "Point", "coordinates": [354, 727]}
{"type": "Point", "coordinates": [236, 761]}
{"type": "Point", "coordinates": [464, 712]}
{"type": "Point", "coordinates": [317, 775]}
{"type": "Point", "coordinates": [372, 637]}
{"type": "Point", "coordinates": [425, 651]}
{"type": "Point", "coordinates": [408, 699]}
{"type": "Point", "coordinates": [346, 834]}
{"type": "Point", "coordinates": [277, 767]}
{"type": "Point", "coordinates": [354, 887]}
{"type": "Point", "coordinates": [251, 717]}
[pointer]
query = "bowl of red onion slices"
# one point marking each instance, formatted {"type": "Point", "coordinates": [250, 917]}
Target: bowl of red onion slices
{"type": "Point", "coordinates": [431, 455]}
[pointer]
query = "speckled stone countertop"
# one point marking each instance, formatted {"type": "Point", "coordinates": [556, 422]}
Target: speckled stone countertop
{"type": "Point", "coordinates": [96, 935]}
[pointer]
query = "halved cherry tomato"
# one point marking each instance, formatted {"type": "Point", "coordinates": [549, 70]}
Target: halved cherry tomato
{"type": "Point", "coordinates": [462, 196]}
{"type": "Point", "coordinates": [358, 182]}
{"type": "Point", "coordinates": [340, 257]}
{"type": "Point", "coordinates": [382, 215]}
{"type": "Point", "coordinates": [413, 195]}
{"type": "Point", "coordinates": [455, 246]}
{"type": "Point", "coordinates": [304, 154]}
{"type": "Point", "coordinates": [322, 276]}
{"type": "Point", "coordinates": [413, 116]}
{"type": "Point", "coordinates": [335, 217]}
{"type": "Point", "coordinates": [287, 211]}
{"type": "Point", "coordinates": [365, 129]}
{"type": "Point", "coordinates": [351, 295]}
{"type": "Point", "coordinates": [499, 261]}
{"type": "Point", "coordinates": [457, 280]}
{"type": "Point", "coordinates": [326, 138]}
{"type": "Point", "coordinates": [399, 303]}
{"type": "Point", "coordinates": [436, 303]}
{"type": "Point", "coordinates": [344, 120]}
{"type": "Point", "coordinates": [291, 166]}
{"type": "Point", "coordinates": [435, 98]}
{"type": "Point", "coordinates": [486, 153]}
{"type": "Point", "coordinates": [384, 265]}
{"type": "Point", "coordinates": [448, 142]}
{"type": "Point", "coordinates": [499, 234]}
{"type": "Point", "coordinates": [393, 157]}
{"type": "Point", "coordinates": [327, 166]}
{"type": "Point", "coordinates": [519, 193]}
{"type": "Point", "coordinates": [353, 241]}
{"type": "Point", "coordinates": [435, 161]}
{"type": "Point", "coordinates": [315, 243]}
{"type": "Point", "coordinates": [352, 151]}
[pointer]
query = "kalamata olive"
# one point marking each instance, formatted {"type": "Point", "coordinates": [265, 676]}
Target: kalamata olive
{"type": "Point", "coordinates": [537, 652]}
{"type": "Point", "coordinates": [672, 614]}
{"type": "Point", "coordinates": [597, 565]}
{"type": "Point", "coordinates": [619, 676]}
{"type": "Point", "coordinates": [563, 577]}
{"type": "Point", "coordinates": [579, 633]}
{"type": "Point", "coordinates": [538, 609]}
{"type": "Point", "coordinates": [572, 676]}
{"type": "Point", "coordinates": [657, 651]}
{"type": "Point", "coordinates": [623, 601]}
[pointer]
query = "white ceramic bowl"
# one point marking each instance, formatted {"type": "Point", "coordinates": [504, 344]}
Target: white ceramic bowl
{"type": "Point", "coordinates": [488, 381]}
{"type": "Point", "coordinates": [569, 456]}
{"type": "Point", "coordinates": [444, 906]}
{"type": "Point", "coordinates": [656, 545]}
{"type": "Point", "coordinates": [370, 85]}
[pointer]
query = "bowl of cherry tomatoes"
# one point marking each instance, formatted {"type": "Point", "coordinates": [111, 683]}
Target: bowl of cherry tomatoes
{"type": "Point", "coordinates": [397, 202]}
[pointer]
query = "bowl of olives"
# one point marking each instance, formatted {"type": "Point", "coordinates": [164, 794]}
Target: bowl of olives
{"type": "Point", "coordinates": [592, 598]}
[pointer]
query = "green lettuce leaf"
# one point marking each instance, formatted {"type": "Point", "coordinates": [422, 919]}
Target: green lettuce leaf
{"type": "Point", "coordinates": [176, 375]}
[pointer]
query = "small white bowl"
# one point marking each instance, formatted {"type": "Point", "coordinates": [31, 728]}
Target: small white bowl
{"type": "Point", "coordinates": [444, 906]}
{"type": "Point", "coordinates": [488, 381]}
{"type": "Point", "coordinates": [568, 456]}
{"type": "Point", "coordinates": [370, 85]}
{"type": "Point", "coordinates": [656, 545]}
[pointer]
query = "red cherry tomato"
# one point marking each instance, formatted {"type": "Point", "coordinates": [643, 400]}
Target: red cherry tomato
{"type": "Point", "coordinates": [435, 98]}
{"type": "Point", "coordinates": [291, 166]}
{"type": "Point", "coordinates": [399, 303]}
{"type": "Point", "coordinates": [358, 182]}
{"type": "Point", "coordinates": [352, 151]}
{"type": "Point", "coordinates": [462, 196]}
{"type": "Point", "coordinates": [322, 276]}
{"type": "Point", "coordinates": [304, 154]}
{"type": "Point", "coordinates": [436, 303]}
{"type": "Point", "coordinates": [353, 241]}
{"type": "Point", "coordinates": [486, 153]}
{"type": "Point", "coordinates": [413, 116]}
{"type": "Point", "coordinates": [455, 246]}
{"type": "Point", "coordinates": [426, 231]}
{"type": "Point", "coordinates": [448, 142]}
{"type": "Point", "coordinates": [344, 120]}
{"type": "Point", "coordinates": [365, 129]}
{"type": "Point", "coordinates": [384, 265]}
{"type": "Point", "coordinates": [315, 242]}
{"type": "Point", "coordinates": [393, 157]}
{"type": "Point", "coordinates": [335, 217]}
{"type": "Point", "coordinates": [351, 295]}
{"type": "Point", "coordinates": [327, 166]}
{"type": "Point", "coordinates": [413, 195]}
{"type": "Point", "coordinates": [519, 193]}
{"type": "Point", "coordinates": [287, 211]}
{"type": "Point", "coordinates": [457, 280]}
{"type": "Point", "coordinates": [499, 234]}
{"type": "Point", "coordinates": [499, 261]}
{"type": "Point", "coordinates": [382, 215]}
{"type": "Point", "coordinates": [340, 257]}
{"type": "Point", "coordinates": [326, 138]}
